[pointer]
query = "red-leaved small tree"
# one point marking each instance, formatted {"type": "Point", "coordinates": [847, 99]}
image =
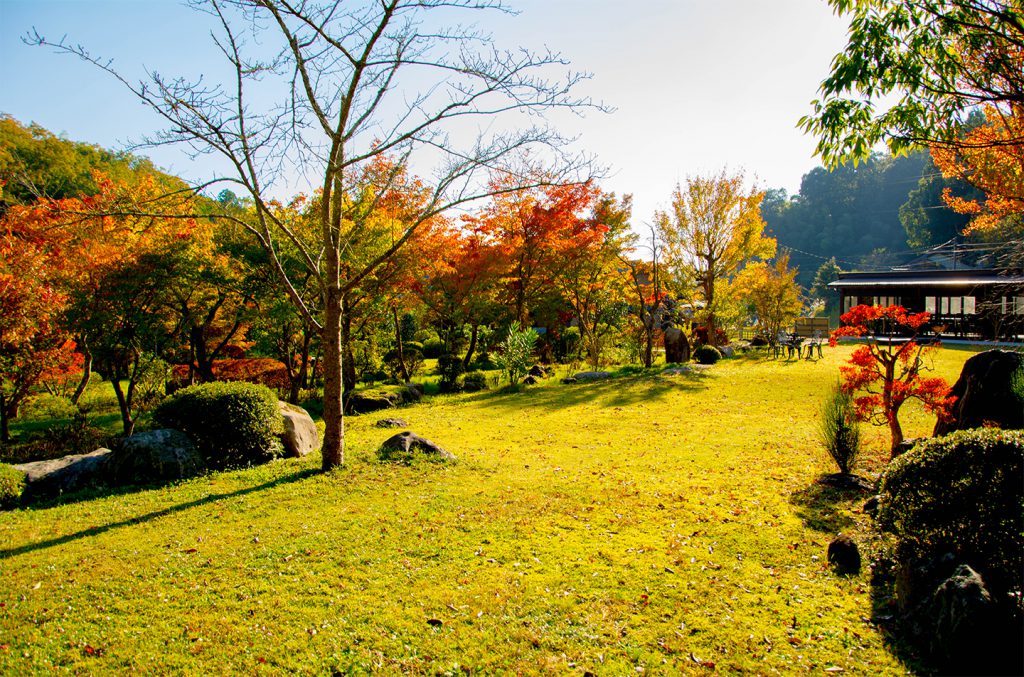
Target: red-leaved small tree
{"type": "Point", "coordinates": [884, 373]}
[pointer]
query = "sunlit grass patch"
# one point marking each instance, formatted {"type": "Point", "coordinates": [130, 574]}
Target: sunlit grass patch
{"type": "Point", "coordinates": [663, 522]}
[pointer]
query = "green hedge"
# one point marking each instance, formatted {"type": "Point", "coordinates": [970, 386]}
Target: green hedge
{"type": "Point", "coordinates": [474, 381]}
{"type": "Point", "coordinates": [12, 485]}
{"type": "Point", "coordinates": [233, 424]}
{"type": "Point", "coordinates": [961, 494]}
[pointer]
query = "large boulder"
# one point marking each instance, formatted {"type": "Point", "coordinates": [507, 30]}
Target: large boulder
{"type": "Point", "coordinates": [155, 456]}
{"type": "Point", "coordinates": [591, 375]}
{"type": "Point", "coordinates": [984, 394]}
{"type": "Point", "coordinates": [961, 620]}
{"type": "Point", "coordinates": [66, 474]}
{"type": "Point", "coordinates": [300, 436]}
{"type": "Point", "coordinates": [404, 446]}
{"type": "Point", "coordinates": [677, 348]}
{"type": "Point", "coordinates": [365, 403]}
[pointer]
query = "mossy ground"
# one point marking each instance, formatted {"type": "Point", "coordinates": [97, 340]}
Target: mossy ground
{"type": "Point", "coordinates": [665, 523]}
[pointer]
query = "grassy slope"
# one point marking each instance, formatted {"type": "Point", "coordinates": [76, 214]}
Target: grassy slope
{"type": "Point", "coordinates": [655, 522]}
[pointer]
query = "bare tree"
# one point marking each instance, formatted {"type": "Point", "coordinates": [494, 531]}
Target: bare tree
{"type": "Point", "coordinates": [391, 83]}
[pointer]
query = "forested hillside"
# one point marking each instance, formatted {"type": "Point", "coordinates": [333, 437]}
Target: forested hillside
{"type": "Point", "coordinates": [867, 215]}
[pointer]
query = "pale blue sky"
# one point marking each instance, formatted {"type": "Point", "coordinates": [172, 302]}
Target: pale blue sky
{"type": "Point", "coordinates": [698, 84]}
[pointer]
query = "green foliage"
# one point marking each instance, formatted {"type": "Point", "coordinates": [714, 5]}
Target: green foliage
{"type": "Point", "coordinates": [12, 485]}
{"type": "Point", "coordinates": [846, 213]}
{"type": "Point", "coordinates": [35, 163]}
{"type": "Point", "coordinates": [474, 381]}
{"type": "Point", "coordinates": [60, 438]}
{"type": "Point", "coordinates": [839, 429]}
{"type": "Point", "coordinates": [433, 348]}
{"type": "Point", "coordinates": [424, 335]}
{"type": "Point", "coordinates": [960, 494]}
{"type": "Point", "coordinates": [450, 368]}
{"type": "Point", "coordinates": [233, 424]}
{"type": "Point", "coordinates": [484, 360]}
{"type": "Point", "coordinates": [412, 355]}
{"type": "Point", "coordinates": [706, 354]}
{"type": "Point", "coordinates": [408, 326]}
{"type": "Point", "coordinates": [932, 63]}
{"type": "Point", "coordinates": [567, 347]}
{"type": "Point", "coordinates": [517, 352]}
{"type": "Point", "coordinates": [46, 406]}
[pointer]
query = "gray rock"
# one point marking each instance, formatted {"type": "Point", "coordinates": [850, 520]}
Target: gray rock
{"type": "Point", "coordinates": [591, 375]}
{"type": "Point", "coordinates": [844, 555]}
{"type": "Point", "coordinates": [300, 436]}
{"type": "Point", "coordinates": [392, 423]}
{"type": "Point", "coordinates": [676, 371]}
{"type": "Point", "coordinates": [404, 446]}
{"type": "Point", "coordinates": [360, 403]}
{"type": "Point", "coordinates": [537, 371]}
{"type": "Point", "coordinates": [727, 351]}
{"type": "Point", "coordinates": [530, 380]}
{"type": "Point", "coordinates": [985, 394]}
{"type": "Point", "coordinates": [155, 456]}
{"type": "Point", "coordinates": [65, 474]}
{"type": "Point", "coordinates": [411, 394]}
{"type": "Point", "coordinates": [568, 380]}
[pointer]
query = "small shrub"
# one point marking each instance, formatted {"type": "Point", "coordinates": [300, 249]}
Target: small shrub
{"type": "Point", "coordinates": [12, 484]}
{"type": "Point", "coordinates": [474, 381]}
{"type": "Point", "coordinates": [517, 352]}
{"type": "Point", "coordinates": [840, 430]}
{"type": "Point", "coordinates": [707, 354]}
{"type": "Point", "coordinates": [960, 494]}
{"type": "Point", "coordinates": [233, 424]}
{"type": "Point", "coordinates": [433, 348]}
{"type": "Point", "coordinates": [413, 360]}
{"type": "Point", "coordinates": [424, 335]}
{"type": "Point", "coordinates": [450, 368]}
{"type": "Point", "coordinates": [484, 361]}
{"type": "Point", "coordinates": [77, 436]}
{"type": "Point", "coordinates": [48, 407]}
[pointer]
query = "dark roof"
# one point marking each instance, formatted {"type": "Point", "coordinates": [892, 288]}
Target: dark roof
{"type": "Point", "coordinates": [930, 278]}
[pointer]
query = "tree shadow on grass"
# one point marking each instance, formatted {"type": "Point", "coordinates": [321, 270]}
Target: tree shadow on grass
{"type": "Point", "coordinates": [7, 553]}
{"type": "Point", "coordinates": [620, 391]}
{"type": "Point", "coordinates": [820, 505]}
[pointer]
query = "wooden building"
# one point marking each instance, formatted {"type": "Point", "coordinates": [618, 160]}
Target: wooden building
{"type": "Point", "coordinates": [976, 302]}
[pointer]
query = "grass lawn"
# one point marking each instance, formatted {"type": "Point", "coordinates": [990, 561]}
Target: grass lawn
{"type": "Point", "coordinates": [664, 523]}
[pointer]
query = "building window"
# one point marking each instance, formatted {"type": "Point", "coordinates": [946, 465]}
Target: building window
{"type": "Point", "coordinates": [886, 300]}
{"type": "Point", "coordinates": [929, 304]}
{"type": "Point", "coordinates": [969, 305]}
{"type": "Point", "coordinates": [848, 303]}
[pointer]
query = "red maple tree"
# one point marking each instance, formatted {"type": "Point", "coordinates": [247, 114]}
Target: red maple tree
{"type": "Point", "coordinates": [886, 372]}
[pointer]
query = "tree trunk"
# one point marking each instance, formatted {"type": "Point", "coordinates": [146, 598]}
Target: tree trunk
{"type": "Point", "coordinates": [348, 366]}
{"type": "Point", "coordinates": [333, 450]}
{"type": "Point", "coordinates": [301, 378]}
{"type": "Point", "coordinates": [122, 402]}
{"type": "Point", "coordinates": [401, 354]}
{"type": "Point", "coordinates": [86, 372]}
{"type": "Point", "coordinates": [204, 364]}
{"type": "Point", "coordinates": [5, 426]}
{"type": "Point", "coordinates": [896, 432]}
{"type": "Point", "coordinates": [472, 346]}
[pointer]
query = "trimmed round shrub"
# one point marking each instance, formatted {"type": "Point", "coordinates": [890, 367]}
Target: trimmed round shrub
{"type": "Point", "coordinates": [707, 355]}
{"type": "Point", "coordinates": [960, 494]}
{"type": "Point", "coordinates": [47, 406]}
{"type": "Point", "coordinates": [433, 348]}
{"type": "Point", "coordinates": [12, 485]}
{"type": "Point", "coordinates": [474, 381]}
{"type": "Point", "coordinates": [233, 424]}
{"type": "Point", "coordinates": [450, 368]}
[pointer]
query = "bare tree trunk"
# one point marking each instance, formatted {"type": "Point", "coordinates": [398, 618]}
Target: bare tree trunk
{"type": "Point", "coordinates": [333, 451]}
